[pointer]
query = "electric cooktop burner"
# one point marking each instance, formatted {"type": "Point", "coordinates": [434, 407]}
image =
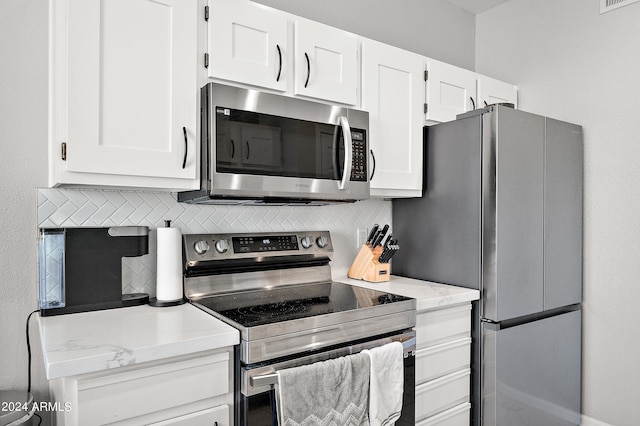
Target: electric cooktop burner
{"type": "Point", "coordinates": [256, 308]}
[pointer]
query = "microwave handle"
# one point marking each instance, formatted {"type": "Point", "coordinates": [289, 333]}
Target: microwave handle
{"type": "Point", "coordinates": [348, 154]}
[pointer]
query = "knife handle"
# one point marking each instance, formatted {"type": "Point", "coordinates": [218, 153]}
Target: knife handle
{"type": "Point", "coordinates": [380, 236]}
{"type": "Point", "coordinates": [372, 234]}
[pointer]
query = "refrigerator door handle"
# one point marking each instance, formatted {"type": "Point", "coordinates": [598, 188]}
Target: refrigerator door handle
{"type": "Point", "coordinates": [490, 325]}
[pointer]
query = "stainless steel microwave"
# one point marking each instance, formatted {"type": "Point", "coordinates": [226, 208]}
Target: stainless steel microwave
{"type": "Point", "coordinates": [264, 148]}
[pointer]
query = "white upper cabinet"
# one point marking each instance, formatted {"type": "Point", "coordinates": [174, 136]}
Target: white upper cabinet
{"type": "Point", "coordinates": [252, 44]}
{"type": "Point", "coordinates": [124, 92]}
{"type": "Point", "coordinates": [492, 91]}
{"type": "Point", "coordinates": [326, 62]}
{"type": "Point", "coordinates": [392, 87]}
{"type": "Point", "coordinates": [449, 91]}
{"type": "Point", "coordinates": [248, 43]}
{"type": "Point", "coordinates": [452, 90]}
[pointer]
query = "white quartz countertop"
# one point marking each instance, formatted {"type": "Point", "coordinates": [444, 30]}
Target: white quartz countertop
{"type": "Point", "coordinates": [428, 295]}
{"type": "Point", "coordinates": [96, 341]}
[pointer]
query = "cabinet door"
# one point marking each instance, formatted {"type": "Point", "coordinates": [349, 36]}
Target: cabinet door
{"type": "Point", "coordinates": [492, 91]}
{"type": "Point", "coordinates": [132, 90]}
{"type": "Point", "coordinates": [449, 91]}
{"type": "Point", "coordinates": [392, 82]}
{"type": "Point", "coordinates": [248, 44]}
{"type": "Point", "coordinates": [326, 62]}
{"type": "Point", "coordinates": [213, 416]}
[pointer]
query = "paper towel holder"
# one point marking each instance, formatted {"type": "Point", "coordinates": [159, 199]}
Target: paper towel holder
{"type": "Point", "coordinates": [153, 301]}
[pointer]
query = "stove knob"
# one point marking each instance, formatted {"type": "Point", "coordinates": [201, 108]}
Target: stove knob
{"type": "Point", "coordinates": [201, 247]}
{"type": "Point", "coordinates": [322, 242]}
{"type": "Point", "coordinates": [222, 246]}
{"type": "Point", "coordinates": [306, 242]}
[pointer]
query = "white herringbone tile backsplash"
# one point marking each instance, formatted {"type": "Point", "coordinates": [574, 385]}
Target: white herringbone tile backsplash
{"type": "Point", "coordinates": [92, 208]}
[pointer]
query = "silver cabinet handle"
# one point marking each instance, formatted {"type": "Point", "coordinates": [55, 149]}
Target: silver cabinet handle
{"type": "Point", "coordinates": [348, 154]}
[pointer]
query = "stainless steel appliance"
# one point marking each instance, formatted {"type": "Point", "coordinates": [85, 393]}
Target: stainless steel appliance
{"type": "Point", "coordinates": [502, 212]}
{"type": "Point", "coordinates": [263, 148]}
{"type": "Point", "coordinates": [276, 289]}
{"type": "Point", "coordinates": [80, 269]}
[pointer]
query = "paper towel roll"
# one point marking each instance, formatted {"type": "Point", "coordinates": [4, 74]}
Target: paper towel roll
{"type": "Point", "coordinates": [169, 268]}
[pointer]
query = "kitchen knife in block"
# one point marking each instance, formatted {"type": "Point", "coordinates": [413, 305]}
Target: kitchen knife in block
{"type": "Point", "coordinates": [361, 262]}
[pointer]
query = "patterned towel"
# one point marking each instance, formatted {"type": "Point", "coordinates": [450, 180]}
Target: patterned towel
{"type": "Point", "coordinates": [332, 393]}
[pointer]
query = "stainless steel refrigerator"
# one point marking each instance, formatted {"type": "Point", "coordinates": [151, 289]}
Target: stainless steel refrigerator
{"type": "Point", "coordinates": [501, 212]}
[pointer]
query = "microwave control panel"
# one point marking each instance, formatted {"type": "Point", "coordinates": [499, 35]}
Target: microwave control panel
{"type": "Point", "coordinates": [359, 162]}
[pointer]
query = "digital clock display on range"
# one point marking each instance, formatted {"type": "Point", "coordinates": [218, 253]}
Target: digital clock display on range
{"type": "Point", "coordinates": [258, 244]}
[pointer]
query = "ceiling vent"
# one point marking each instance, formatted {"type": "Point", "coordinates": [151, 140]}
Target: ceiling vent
{"type": "Point", "coordinates": [609, 5]}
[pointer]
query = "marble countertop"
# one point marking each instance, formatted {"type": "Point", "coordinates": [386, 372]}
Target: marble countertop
{"type": "Point", "coordinates": [96, 341]}
{"type": "Point", "coordinates": [428, 295]}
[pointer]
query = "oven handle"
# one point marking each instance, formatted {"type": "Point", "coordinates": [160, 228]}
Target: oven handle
{"type": "Point", "coordinates": [408, 341]}
{"type": "Point", "coordinates": [264, 380]}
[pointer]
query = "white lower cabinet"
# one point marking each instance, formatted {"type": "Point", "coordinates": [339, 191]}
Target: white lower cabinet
{"type": "Point", "coordinates": [443, 360]}
{"type": "Point", "coordinates": [214, 416]}
{"type": "Point", "coordinates": [456, 416]}
{"type": "Point", "coordinates": [188, 390]}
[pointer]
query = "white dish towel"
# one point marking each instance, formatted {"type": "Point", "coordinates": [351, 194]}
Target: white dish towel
{"type": "Point", "coordinates": [386, 383]}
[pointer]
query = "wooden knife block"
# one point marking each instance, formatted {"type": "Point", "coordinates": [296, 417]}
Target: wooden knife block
{"type": "Point", "coordinates": [366, 266]}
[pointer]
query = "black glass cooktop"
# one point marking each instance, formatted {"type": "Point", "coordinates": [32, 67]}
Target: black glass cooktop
{"type": "Point", "coordinates": [268, 306]}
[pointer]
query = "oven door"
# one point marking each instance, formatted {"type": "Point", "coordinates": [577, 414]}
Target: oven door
{"type": "Point", "coordinates": [255, 391]}
{"type": "Point", "coordinates": [266, 145]}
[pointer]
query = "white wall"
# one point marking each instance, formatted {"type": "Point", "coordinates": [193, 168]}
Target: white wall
{"type": "Point", "coordinates": [23, 155]}
{"type": "Point", "coordinates": [574, 64]}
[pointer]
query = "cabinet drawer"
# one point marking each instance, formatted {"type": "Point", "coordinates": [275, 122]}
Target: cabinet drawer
{"type": "Point", "coordinates": [440, 360]}
{"type": "Point", "coordinates": [113, 397]}
{"type": "Point", "coordinates": [442, 394]}
{"type": "Point", "coordinates": [218, 415]}
{"type": "Point", "coordinates": [456, 416]}
{"type": "Point", "coordinates": [434, 327]}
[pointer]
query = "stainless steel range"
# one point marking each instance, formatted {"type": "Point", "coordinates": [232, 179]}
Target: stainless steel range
{"type": "Point", "coordinates": [276, 289]}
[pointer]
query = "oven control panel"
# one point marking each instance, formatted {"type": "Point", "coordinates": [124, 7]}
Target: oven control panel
{"type": "Point", "coordinates": [253, 244]}
{"type": "Point", "coordinates": [208, 247]}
